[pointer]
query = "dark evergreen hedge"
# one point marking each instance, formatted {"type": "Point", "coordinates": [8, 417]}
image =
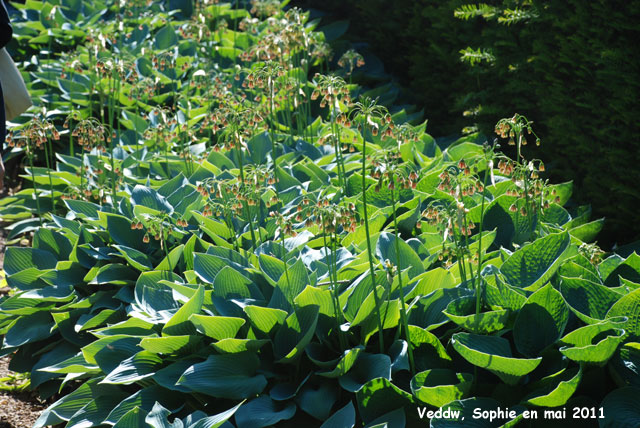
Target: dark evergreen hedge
{"type": "Point", "coordinates": [574, 68]}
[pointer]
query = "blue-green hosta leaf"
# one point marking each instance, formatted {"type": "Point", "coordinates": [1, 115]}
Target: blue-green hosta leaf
{"type": "Point", "coordinates": [625, 365]}
{"type": "Point", "coordinates": [263, 412]}
{"type": "Point", "coordinates": [621, 408]}
{"type": "Point", "coordinates": [225, 376]}
{"type": "Point", "coordinates": [461, 413]}
{"type": "Point", "coordinates": [428, 310]}
{"type": "Point", "coordinates": [215, 421]}
{"type": "Point", "coordinates": [317, 398]}
{"type": "Point", "coordinates": [53, 242]}
{"type": "Point", "coordinates": [628, 306]}
{"type": "Point", "coordinates": [135, 368]}
{"type": "Point", "coordinates": [166, 38]}
{"type": "Point", "coordinates": [438, 387]}
{"type": "Point", "coordinates": [115, 274]}
{"type": "Point", "coordinates": [63, 409]}
{"type": "Point", "coordinates": [555, 390]}
{"type": "Point", "coordinates": [129, 327]}
{"type": "Point", "coordinates": [17, 259]}
{"type": "Point", "coordinates": [145, 399]}
{"type": "Point", "coordinates": [504, 296]}
{"type": "Point", "coordinates": [534, 264]}
{"type": "Point", "coordinates": [134, 418]}
{"type": "Point", "coordinates": [179, 323]}
{"type": "Point", "coordinates": [432, 280]}
{"type": "Point", "coordinates": [149, 198]}
{"type": "Point", "coordinates": [96, 410]}
{"type": "Point", "coordinates": [231, 284]}
{"type": "Point", "coordinates": [109, 351]}
{"type": "Point", "coordinates": [587, 232]}
{"type": "Point", "coordinates": [295, 334]}
{"type": "Point", "coordinates": [94, 320]}
{"type": "Point", "coordinates": [343, 418]}
{"type": "Point", "coordinates": [29, 328]}
{"type": "Point", "coordinates": [593, 344]}
{"type": "Point", "coordinates": [271, 267]}
{"type": "Point", "coordinates": [75, 364]}
{"type": "Point", "coordinates": [345, 363]}
{"type": "Point", "coordinates": [590, 301]}
{"type": "Point", "coordinates": [207, 266]}
{"type": "Point", "coordinates": [318, 297]}
{"type": "Point", "coordinates": [265, 320]}
{"type": "Point", "coordinates": [628, 269]}
{"type": "Point", "coordinates": [234, 346]}
{"type": "Point", "coordinates": [379, 396]}
{"type": "Point", "coordinates": [119, 228]}
{"type": "Point", "coordinates": [428, 350]}
{"type": "Point", "coordinates": [541, 321]}
{"type": "Point", "coordinates": [170, 344]}
{"type": "Point", "coordinates": [494, 354]}
{"type": "Point", "coordinates": [462, 312]}
{"type": "Point", "coordinates": [217, 327]}
{"type": "Point", "coordinates": [407, 257]}
{"type": "Point", "coordinates": [137, 259]}
{"type": "Point", "coordinates": [367, 367]}
{"type": "Point", "coordinates": [294, 280]}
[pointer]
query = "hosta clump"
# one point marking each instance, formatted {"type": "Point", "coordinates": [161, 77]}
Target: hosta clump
{"type": "Point", "coordinates": [242, 245]}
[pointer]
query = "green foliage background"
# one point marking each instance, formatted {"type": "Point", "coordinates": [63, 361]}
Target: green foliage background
{"type": "Point", "coordinates": [572, 67]}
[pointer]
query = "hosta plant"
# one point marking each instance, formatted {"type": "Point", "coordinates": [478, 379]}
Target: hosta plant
{"type": "Point", "coordinates": [222, 232]}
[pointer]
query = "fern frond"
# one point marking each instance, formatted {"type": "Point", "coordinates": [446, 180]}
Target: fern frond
{"type": "Point", "coordinates": [476, 56]}
{"type": "Point", "coordinates": [468, 11]}
{"type": "Point", "coordinates": [512, 16]}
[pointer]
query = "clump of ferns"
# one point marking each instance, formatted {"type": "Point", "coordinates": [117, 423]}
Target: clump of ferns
{"type": "Point", "coordinates": [389, 171]}
{"type": "Point", "coordinates": [36, 135]}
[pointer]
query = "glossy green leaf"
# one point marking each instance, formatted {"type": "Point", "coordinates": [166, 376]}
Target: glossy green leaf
{"type": "Point", "coordinates": [534, 264]}
{"type": "Point", "coordinates": [541, 321]}
{"type": "Point", "coordinates": [494, 354]}
{"type": "Point", "coordinates": [438, 387]}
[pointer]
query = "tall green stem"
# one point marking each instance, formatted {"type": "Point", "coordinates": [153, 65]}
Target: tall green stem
{"type": "Point", "coordinates": [369, 252]}
{"type": "Point", "coordinates": [403, 309]}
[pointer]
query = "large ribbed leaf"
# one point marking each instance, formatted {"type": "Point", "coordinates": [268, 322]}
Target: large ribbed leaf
{"type": "Point", "coordinates": [295, 334]}
{"type": "Point", "coordinates": [264, 412]}
{"type": "Point", "coordinates": [590, 301]}
{"type": "Point", "coordinates": [628, 306]}
{"type": "Point", "coordinates": [406, 258]}
{"type": "Point", "coordinates": [438, 387]}
{"type": "Point", "coordinates": [541, 321]}
{"type": "Point", "coordinates": [494, 354]}
{"type": "Point", "coordinates": [534, 264]}
{"type": "Point", "coordinates": [135, 368]}
{"type": "Point", "coordinates": [179, 323]}
{"type": "Point", "coordinates": [230, 376]}
{"type": "Point", "coordinates": [555, 390]}
{"type": "Point", "coordinates": [593, 344]}
{"type": "Point", "coordinates": [621, 408]}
